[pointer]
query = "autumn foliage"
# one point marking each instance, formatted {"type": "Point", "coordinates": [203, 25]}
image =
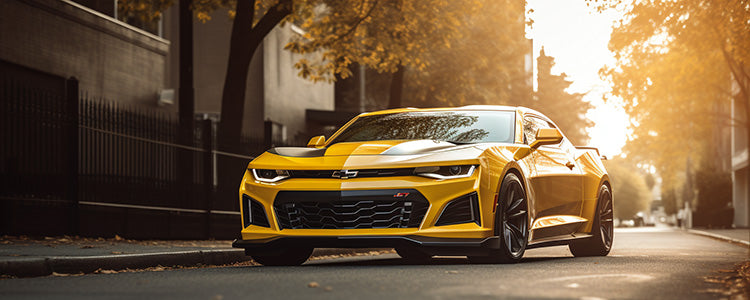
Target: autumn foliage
{"type": "Point", "coordinates": [680, 64]}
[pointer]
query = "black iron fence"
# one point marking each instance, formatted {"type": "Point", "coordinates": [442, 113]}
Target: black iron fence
{"type": "Point", "coordinates": [77, 165]}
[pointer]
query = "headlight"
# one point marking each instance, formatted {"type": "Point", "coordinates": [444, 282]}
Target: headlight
{"type": "Point", "coordinates": [446, 172]}
{"type": "Point", "coordinates": [267, 175]}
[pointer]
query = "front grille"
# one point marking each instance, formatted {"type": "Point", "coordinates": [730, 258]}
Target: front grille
{"type": "Point", "coordinates": [360, 173]}
{"type": "Point", "coordinates": [403, 208]}
{"type": "Point", "coordinates": [463, 209]}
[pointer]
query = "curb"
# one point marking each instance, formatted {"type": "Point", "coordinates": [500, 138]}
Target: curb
{"type": "Point", "coordinates": [43, 266]}
{"type": "Point", "coordinates": [719, 237]}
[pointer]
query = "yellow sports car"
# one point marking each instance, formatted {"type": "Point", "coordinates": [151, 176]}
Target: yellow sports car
{"type": "Point", "coordinates": [487, 182]}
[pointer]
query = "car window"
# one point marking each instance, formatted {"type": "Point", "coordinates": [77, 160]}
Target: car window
{"type": "Point", "coordinates": [529, 130]}
{"type": "Point", "coordinates": [461, 127]}
{"type": "Point", "coordinates": [531, 126]}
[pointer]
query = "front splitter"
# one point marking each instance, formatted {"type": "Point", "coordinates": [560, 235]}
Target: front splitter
{"type": "Point", "coordinates": [430, 245]}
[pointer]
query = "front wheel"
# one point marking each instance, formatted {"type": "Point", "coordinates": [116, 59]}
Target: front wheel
{"type": "Point", "coordinates": [511, 223]}
{"type": "Point", "coordinates": [288, 257]}
{"type": "Point", "coordinates": [602, 231]}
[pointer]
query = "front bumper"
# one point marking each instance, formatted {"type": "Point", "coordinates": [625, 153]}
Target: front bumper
{"type": "Point", "coordinates": [425, 234]}
{"type": "Point", "coordinates": [429, 245]}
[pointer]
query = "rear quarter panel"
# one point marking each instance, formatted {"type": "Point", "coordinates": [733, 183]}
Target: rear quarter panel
{"type": "Point", "coordinates": [594, 175]}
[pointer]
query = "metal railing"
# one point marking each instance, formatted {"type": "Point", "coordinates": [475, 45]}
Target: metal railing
{"type": "Point", "coordinates": [71, 164]}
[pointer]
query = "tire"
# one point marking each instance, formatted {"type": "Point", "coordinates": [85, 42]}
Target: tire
{"type": "Point", "coordinates": [413, 255]}
{"type": "Point", "coordinates": [289, 257]}
{"type": "Point", "coordinates": [602, 232]}
{"type": "Point", "coordinates": [511, 223]}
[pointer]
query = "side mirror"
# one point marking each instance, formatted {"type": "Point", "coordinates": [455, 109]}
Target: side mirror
{"type": "Point", "coordinates": [546, 136]}
{"type": "Point", "coordinates": [317, 141]}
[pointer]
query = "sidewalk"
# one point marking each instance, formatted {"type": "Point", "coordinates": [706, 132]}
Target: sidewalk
{"type": "Point", "coordinates": [739, 236]}
{"type": "Point", "coordinates": [27, 257]}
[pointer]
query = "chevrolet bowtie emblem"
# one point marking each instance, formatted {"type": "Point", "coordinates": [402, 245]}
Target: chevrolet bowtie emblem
{"type": "Point", "coordinates": [344, 174]}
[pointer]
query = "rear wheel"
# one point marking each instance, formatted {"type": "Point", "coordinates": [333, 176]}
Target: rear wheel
{"type": "Point", "coordinates": [511, 223]}
{"type": "Point", "coordinates": [288, 257]}
{"type": "Point", "coordinates": [602, 232]}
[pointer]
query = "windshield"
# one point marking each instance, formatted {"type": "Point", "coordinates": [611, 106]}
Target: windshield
{"type": "Point", "coordinates": [461, 127]}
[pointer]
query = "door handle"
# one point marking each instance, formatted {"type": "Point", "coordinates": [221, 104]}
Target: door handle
{"type": "Point", "coordinates": [570, 165]}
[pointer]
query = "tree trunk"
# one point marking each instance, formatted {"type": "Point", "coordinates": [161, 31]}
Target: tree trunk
{"type": "Point", "coordinates": [397, 86]}
{"type": "Point", "coordinates": [186, 95]}
{"type": "Point", "coordinates": [244, 41]}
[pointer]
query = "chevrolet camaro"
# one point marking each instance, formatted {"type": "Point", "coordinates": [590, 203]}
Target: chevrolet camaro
{"type": "Point", "coordinates": [487, 182]}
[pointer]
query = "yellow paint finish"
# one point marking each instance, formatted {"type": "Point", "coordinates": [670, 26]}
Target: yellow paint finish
{"type": "Point", "coordinates": [461, 156]}
{"type": "Point", "coordinates": [438, 193]}
{"type": "Point", "coordinates": [316, 141]}
{"type": "Point", "coordinates": [361, 148]}
{"type": "Point", "coordinates": [556, 220]}
{"type": "Point", "coordinates": [469, 230]}
{"type": "Point", "coordinates": [519, 126]}
{"type": "Point", "coordinates": [593, 172]}
{"type": "Point", "coordinates": [557, 187]}
{"type": "Point", "coordinates": [556, 194]}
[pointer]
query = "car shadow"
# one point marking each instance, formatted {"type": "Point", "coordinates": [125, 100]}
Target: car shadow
{"type": "Point", "coordinates": [375, 261]}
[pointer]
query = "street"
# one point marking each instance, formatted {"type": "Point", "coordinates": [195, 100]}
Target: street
{"type": "Point", "coordinates": [645, 263]}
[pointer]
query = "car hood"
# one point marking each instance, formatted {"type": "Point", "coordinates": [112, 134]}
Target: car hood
{"type": "Point", "coordinates": [371, 154]}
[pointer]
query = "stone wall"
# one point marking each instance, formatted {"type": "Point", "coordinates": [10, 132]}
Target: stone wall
{"type": "Point", "coordinates": [111, 59]}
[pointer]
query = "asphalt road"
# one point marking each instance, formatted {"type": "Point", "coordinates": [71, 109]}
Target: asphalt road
{"type": "Point", "coordinates": [650, 263]}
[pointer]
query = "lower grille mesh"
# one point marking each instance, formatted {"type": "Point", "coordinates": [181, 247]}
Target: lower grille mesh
{"type": "Point", "coordinates": [350, 209]}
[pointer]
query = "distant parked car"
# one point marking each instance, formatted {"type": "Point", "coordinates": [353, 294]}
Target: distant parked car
{"type": "Point", "coordinates": [487, 182]}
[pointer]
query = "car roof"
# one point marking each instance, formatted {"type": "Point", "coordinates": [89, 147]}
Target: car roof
{"type": "Point", "coordinates": [460, 108]}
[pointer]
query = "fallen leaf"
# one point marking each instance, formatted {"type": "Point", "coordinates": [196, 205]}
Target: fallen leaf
{"type": "Point", "coordinates": [87, 247]}
{"type": "Point", "coordinates": [328, 288]}
{"type": "Point", "coordinates": [313, 284]}
{"type": "Point", "coordinates": [118, 238]}
{"type": "Point", "coordinates": [116, 252]}
{"type": "Point", "coordinates": [451, 272]}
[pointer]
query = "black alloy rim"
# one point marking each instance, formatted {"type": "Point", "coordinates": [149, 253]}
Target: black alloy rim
{"type": "Point", "coordinates": [515, 219]}
{"type": "Point", "coordinates": [606, 226]}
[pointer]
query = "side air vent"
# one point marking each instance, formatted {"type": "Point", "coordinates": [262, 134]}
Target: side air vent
{"type": "Point", "coordinates": [463, 209]}
{"type": "Point", "coordinates": [253, 212]}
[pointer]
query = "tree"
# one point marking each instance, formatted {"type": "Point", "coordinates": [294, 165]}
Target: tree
{"type": "Point", "coordinates": [383, 35]}
{"type": "Point", "coordinates": [567, 110]}
{"type": "Point", "coordinates": [629, 187]}
{"type": "Point", "coordinates": [386, 36]}
{"type": "Point", "coordinates": [484, 65]}
{"type": "Point", "coordinates": [679, 63]}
